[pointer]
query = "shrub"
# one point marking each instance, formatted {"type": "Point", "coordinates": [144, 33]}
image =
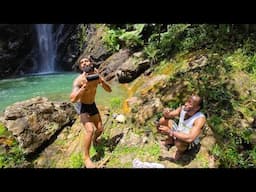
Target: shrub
{"type": "Point", "coordinates": [115, 103]}
{"type": "Point", "coordinates": [76, 161]}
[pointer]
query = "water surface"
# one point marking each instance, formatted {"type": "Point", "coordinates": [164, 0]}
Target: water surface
{"type": "Point", "coordinates": [56, 87]}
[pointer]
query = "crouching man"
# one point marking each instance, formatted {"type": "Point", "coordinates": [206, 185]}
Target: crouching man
{"type": "Point", "coordinates": [190, 125]}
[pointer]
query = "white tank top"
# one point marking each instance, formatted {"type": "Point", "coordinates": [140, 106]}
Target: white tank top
{"type": "Point", "coordinates": [185, 125]}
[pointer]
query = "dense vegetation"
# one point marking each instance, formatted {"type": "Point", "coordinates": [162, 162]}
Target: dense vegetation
{"type": "Point", "coordinates": [11, 155]}
{"type": "Point", "coordinates": [227, 82]}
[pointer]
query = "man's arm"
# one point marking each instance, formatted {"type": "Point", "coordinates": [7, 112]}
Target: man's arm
{"type": "Point", "coordinates": [194, 132]}
{"type": "Point", "coordinates": [77, 90]}
{"type": "Point", "coordinates": [105, 85]}
{"type": "Point", "coordinates": [171, 114]}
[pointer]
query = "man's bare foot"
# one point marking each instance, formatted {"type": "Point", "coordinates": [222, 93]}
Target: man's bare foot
{"type": "Point", "coordinates": [89, 163]}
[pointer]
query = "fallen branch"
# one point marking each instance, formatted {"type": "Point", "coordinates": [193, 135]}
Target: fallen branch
{"type": "Point", "coordinates": [104, 162]}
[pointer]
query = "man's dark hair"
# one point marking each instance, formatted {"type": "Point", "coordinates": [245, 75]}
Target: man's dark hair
{"type": "Point", "coordinates": [89, 57]}
{"type": "Point", "coordinates": [200, 101]}
{"type": "Point", "coordinates": [77, 63]}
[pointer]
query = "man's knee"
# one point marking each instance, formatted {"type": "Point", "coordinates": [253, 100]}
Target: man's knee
{"type": "Point", "coordinates": [163, 121]}
{"type": "Point", "coordinates": [89, 129]}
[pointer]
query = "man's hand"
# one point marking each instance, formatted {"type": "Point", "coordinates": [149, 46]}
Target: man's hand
{"type": "Point", "coordinates": [84, 75]}
{"type": "Point", "coordinates": [103, 83]}
{"type": "Point", "coordinates": [96, 70]}
{"type": "Point", "coordinates": [84, 80]}
{"type": "Point", "coordinates": [164, 129]}
{"type": "Point", "coordinates": [166, 113]}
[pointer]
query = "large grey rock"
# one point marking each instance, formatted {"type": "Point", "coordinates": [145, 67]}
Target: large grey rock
{"type": "Point", "coordinates": [110, 66]}
{"type": "Point", "coordinates": [36, 120]}
{"type": "Point", "coordinates": [123, 66]}
{"type": "Point", "coordinates": [132, 68]}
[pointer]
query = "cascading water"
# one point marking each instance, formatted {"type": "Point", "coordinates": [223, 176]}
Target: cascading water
{"type": "Point", "coordinates": [47, 48]}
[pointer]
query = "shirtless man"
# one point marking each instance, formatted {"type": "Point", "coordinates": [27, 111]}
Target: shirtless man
{"type": "Point", "coordinates": [84, 91]}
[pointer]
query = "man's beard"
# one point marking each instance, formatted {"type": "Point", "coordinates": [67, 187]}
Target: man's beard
{"type": "Point", "coordinates": [88, 69]}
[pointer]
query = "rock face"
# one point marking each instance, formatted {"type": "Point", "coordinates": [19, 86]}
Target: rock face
{"type": "Point", "coordinates": [109, 67]}
{"type": "Point", "coordinates": [118, 65]}
{"type": "Point", "coordinates": [132, 68]}
{"type": "Point", "coordinates": [144, 107]}
{"type": "Point", "coordinates": [94, 45]}
{"type": "Point", "coordinates": [16, 41]}
{"type": "Point", "coordinates": [148, 110]}
{"type": "Point", "coordinates": [68, 144]}
{"type": "Point", "coordinates": [123, 66]}
{"type": "Point", "coordinates": [70, 43]}
{"type": "Point", "coordinates": [36, 120]}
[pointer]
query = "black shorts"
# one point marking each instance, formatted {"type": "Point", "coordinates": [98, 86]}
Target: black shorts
{"type": "Point", "coordinates": [91, 109]}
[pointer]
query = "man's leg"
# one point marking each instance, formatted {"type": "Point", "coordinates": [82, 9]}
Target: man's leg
{"type": "Point", "coordinates": [99, 127]}
{"type": "Point", "coordinates": [181, 148]}
{"type": "Point", "coordinates": [163, 121]}
{"type": "Point", "coordinates": [169, 123]}
{"type": "Point", "coordinates": [89, 129]}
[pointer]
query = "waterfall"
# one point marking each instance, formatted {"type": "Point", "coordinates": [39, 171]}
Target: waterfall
{"type": "Point", "coordinates": [46, 47]}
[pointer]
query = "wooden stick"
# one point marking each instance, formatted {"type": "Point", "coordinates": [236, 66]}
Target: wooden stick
{"type": "Point", "coordinates": [104, 162]}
